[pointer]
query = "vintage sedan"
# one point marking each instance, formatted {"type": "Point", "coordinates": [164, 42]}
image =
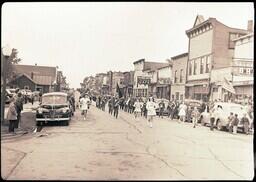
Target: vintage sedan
{"type": "Point", "coordinates": [54, 107]}
{"type": "Point", "coordinates": [221, 119]}
{"type": "Point", "coordinates": [166, 102]}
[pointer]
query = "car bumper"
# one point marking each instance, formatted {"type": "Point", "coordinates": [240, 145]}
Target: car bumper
{"type": "Point", "coordinates": [52, 119]}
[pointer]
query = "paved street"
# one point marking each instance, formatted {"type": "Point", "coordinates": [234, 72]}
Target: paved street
{"type": "Point", "coordinates": [103, 147]}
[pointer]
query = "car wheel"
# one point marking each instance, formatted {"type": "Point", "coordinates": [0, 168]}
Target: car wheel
{"type": "Point", "coordinates": [66, 123]}
{"type": "Point", "coordinates": [219, 127]}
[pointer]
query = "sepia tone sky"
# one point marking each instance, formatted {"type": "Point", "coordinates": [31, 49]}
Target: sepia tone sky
{"type": "Point", "coordinates": [83, 39]}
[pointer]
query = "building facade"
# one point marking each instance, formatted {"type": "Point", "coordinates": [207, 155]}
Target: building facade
{"type": "Point", "coordinates": [142, 78]}
{"type": "Point", "coordinates": [179, 67]}
{"type": "Point", "coordinates": [34, 78]}
{"type": "Point", "coordinates": [211, 47]}
{"type": "Point", "coordinates": [163, 87]}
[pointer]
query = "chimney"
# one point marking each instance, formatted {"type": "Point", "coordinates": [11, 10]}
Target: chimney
{"type": "Point", "coordinates": [32, 75]}
{"type": "Point", "coordinates": [250, 25]}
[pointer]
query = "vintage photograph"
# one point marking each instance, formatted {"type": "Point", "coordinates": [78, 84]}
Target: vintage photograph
{"type": "Point", "coordinates": [127, 91]}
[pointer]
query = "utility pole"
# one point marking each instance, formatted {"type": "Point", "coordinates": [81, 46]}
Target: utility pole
{"type": "Point", "coordinates": [5, 55]}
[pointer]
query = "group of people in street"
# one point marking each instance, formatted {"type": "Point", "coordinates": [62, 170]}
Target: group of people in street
{"type": "Point", "coordinates": [14, 111]}
{"type": "Point", "coordinates": [147, 108]}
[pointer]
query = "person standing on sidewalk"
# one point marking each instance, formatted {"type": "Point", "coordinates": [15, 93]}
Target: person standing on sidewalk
{"type": "Point", "coordinates": [182, 112]}
{"type": "Point", "coordinates": [245, 122]}
{"type": "Point", "coordinates": [161, 108]}
{"type": "Point", "coordinates": [195, 116]}
{"type": "Point", "coordinates": [19, 108]}
{"type": "Point", "coordinates": [151, 111]}
{"type": "Point", "coordinates": [12, 115]}
{"type": "Point", "coordinates": [235, 123]}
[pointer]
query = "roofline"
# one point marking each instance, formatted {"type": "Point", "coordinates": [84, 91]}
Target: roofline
{"type": "Point", "coordinates": [140, 60]}
{"type": "Point", "coordinates": [164, 67]}
{"type": "Point", "coordinates": [34, 65]}
{"type": "Point", "coordinates": [180, 55]}
{"type": "Point", "coordinates": [243, 37]}
{"type": "Point", "coordinates": [55, 93]}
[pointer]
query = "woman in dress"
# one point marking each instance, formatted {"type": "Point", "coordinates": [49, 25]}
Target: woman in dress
{"type": "Point", "coordinates": [182, 112]}
{"type": "Point", "coordinates": [138, 106]}
{"type": "Point", "coordinates": [84, 105]}
{"type": "Point", "coordinates": [151, 111]}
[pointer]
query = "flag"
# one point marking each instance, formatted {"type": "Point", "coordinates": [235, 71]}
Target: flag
{"type": "Point", "coordinates": [118, 91]}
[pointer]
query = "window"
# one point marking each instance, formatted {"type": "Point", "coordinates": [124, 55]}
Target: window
{"type": "Point", "coordinates": [172, 96]}
{"type": "Point", "coordinates": [202, 65]}
{"type": "Point", "coordinates": [208, 62]}
{"type": "Point", "coordinates": [181, 96]}
{"type": "Point", "coordinates": [177, 95]}
{"type": "Point", "coordinates": [181, 75]}
{"type": "Point", "coordinates": [190, 67]}
{"type": "Point", "coordinates": [244, 72]}
{"type": "Point", "coordinates": [175, 76]}
{"type": "Point", "coordinates": [195, 67]}
{"type": "Point", "coordinates": [241, 70]}
{"type": "Point", "coordinates": [251, 71]}
{"type": "Point", "coordinates": [215, 89]}
{"type": "Point", "coordinates": [248, 71]}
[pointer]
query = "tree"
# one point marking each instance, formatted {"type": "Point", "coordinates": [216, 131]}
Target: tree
{"type": "Point", "coordinates": [13, 59]}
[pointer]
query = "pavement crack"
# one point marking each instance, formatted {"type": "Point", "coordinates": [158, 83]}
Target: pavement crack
{"type": "Point", "coordinates": [24, 155]}
{"type": "Point", "coordinates": [130, 124]}
{"type": "Point", "coordinates": [223, 164]}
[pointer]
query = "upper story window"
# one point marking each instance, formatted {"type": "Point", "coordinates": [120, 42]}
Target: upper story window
{"type": "Point", "coordinates": [181, 75]}
{"type": "Point", "coordinates": [195, 67]}
{"type": "Point", "coordinates": [207, 65]}
{"type": "Point", "coordinates": [190, 67]}
{"type": "Point", "coordinates": [202, 65]}
{"type": "Point", "coordinates": [175, 77]}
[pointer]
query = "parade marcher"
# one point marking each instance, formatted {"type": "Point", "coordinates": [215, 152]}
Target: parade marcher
{"type": "Point", "coordinates": [32, 99]}
{"type": "Point", "coordinates": [245, 122]}
{"type": "Point", "coordinates": [84, 101]}
{"type": "Point", "coordinates": [144, 109]}
{"type": "Point", "coordinates": [116, 107]}
{"type": "Point", "coordinates": [110, 106]}
{"type": "Point", "coordinates": [173, 106]}
{"type": "Point", "coordinates": [138, 106]}
{"type": "Point", "coordinates": [176, 110]}
{"type": "Point", "coordinates": [103, 104]}
{"type": "Point", "coordinates": [161, 108]}
{"type": "Point", "coordinates": [12, 115]}
{"type": "Point", "coordinates": [19, 107]}
{"type": "Point", "coordinates": [195, 116]}
{"type": "Point", "coordinates": [182, 112]}
{"type": "Point", "coordinates": [151, 111]}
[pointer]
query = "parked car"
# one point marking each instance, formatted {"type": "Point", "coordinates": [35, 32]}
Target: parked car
{"type": "Point", "coordinates": [191, 103]}
{"type": "Point", "coordinates": [221, 120]}
{"type": "Point", "coordinates": [166, 112]}
{"type": "Point", "coordinates": [54, 107]}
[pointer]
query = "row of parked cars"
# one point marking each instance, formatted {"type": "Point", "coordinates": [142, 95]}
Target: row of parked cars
{"type": "Point", "coordinates": [221, 119]}
{"type": "Point", "coordinates": [25, 92]}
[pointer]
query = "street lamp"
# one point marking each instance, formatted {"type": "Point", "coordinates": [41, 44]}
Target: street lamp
{"type": "Point", "coordinates": [6, 52]}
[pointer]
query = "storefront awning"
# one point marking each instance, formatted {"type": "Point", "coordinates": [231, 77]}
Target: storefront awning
{"type": "Point", "coordinates": [228, 86]}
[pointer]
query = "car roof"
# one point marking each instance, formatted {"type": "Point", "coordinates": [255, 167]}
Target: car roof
{"type": "Point", "coordinates": [227, 103]}
{"type": "Point", "coordinates": [55, 93]}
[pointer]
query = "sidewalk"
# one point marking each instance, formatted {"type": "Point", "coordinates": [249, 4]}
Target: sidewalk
{"type": "Point", "coordinates": [27, 120]}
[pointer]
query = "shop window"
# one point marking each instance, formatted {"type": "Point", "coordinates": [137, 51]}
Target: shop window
{"type": "Point", "coordinates": [177, 95]}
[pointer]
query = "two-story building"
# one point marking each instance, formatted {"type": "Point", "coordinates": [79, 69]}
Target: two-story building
{"type": "Point", "coordinates": [210, 47]}
{"type": "Point", "coordinates": [163, 87]}
{"type": "Point", "coordinates": [142, 78]}
{"type": "Point", "coordinates": [179, 68]}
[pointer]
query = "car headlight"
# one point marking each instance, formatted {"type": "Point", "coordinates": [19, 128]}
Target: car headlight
{"type": "Point", "coordinates": [64, 110]}
{"type": "Point", "coordinates": [40, 110]}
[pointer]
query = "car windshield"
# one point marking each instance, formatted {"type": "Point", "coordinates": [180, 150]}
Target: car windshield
{"type": "Point", "coordinates": [54, 99]}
